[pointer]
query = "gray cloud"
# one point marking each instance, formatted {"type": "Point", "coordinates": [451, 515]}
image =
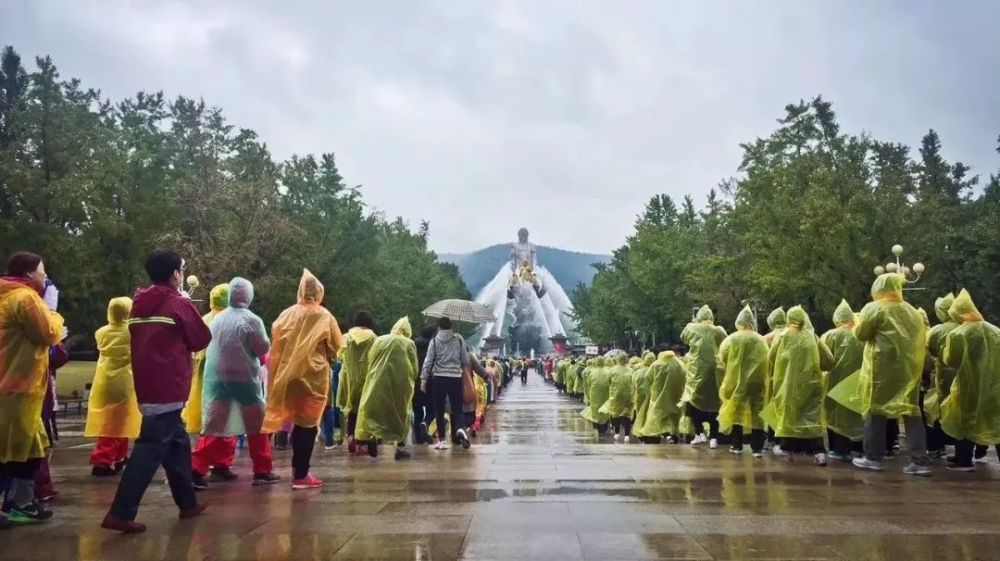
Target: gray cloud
{"type": "Point", "coordinates": [562, 116]}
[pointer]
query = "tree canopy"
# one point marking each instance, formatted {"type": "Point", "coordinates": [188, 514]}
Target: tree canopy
{"type": "Point", "coordinates": [94, 185]}
{"type": "Point", "coordinates": [808, 216]}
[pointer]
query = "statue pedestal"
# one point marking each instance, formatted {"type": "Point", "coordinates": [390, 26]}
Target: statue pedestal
{"type": "Point", "coordinates": [492, 345]}
{"type": "Point", "coordinates": [559, 344]}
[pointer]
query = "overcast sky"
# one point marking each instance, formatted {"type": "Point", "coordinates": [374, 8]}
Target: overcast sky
{"type": "Point", "coordinates": [560, 116]}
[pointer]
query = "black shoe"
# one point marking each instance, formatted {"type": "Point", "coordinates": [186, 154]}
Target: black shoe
{"type": "Point", "coordinates": [402, 454]}
{"type": "Point", "coordinates": [264, 479]}
{"type": "Point", "coordinates": [119, 466]}
{"type": "Point", "coordinates": [103, 471]}
{"type": "Point", "coordinates": [463, 439]}
{"type": "Point", "coordinates": [29, 514]}
{"type": "Point", "coordinates": [223, 474]}
{"type": "Point", "coordinates": [955, 466]}
{"type": "Point", "coordinates": [373, 448]}
{"type": "Point", "coordinates": [198, 480]}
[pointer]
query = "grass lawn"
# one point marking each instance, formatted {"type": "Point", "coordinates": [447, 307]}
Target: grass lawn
{"type": "Point", "coordinates": [73, 377]}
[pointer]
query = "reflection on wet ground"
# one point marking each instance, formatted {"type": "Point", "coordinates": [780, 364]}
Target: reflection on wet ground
{"type": "Point", "coordinates": [538, 485]}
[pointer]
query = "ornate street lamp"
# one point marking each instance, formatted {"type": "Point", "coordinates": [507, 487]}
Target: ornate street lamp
{"type": "Point", "coordinates": [910, 274]}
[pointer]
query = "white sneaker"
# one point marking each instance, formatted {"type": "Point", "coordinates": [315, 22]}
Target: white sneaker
{"type": "Point", "coordinates": [758, 455]}
{"type": "Point", "coordinates": [698, 439]}
{"type": "Point", "coordinates": [820, 459]}
{"type": "Point", "coordinates": [627, 439]}
{"type": "Point", "coordinates": [441, 445]}
{"type": "Point", "coordinates": [914, 469]}
{"type": "Point", "coordinates": [713, 444]}
{"type": "Point", "coordinates": [777, 451]}
{"type": "Point", "coordinates": [617, 437]}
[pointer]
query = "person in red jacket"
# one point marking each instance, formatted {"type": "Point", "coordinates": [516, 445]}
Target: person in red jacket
{"type": "Point", "coordinates": [166, 329]}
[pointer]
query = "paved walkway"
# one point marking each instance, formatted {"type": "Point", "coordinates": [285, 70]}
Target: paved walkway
{"type": "Point", "coordinates": [538, 485]}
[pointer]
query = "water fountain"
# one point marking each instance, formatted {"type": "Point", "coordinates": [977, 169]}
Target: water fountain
{"type": "Point", "coordinates": [531, 307]}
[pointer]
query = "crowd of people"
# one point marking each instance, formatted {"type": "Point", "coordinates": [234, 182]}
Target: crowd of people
{"type": "Point", "coordinates": [838, 396]}
{"type": "Point", "coordinates": [166, 375]}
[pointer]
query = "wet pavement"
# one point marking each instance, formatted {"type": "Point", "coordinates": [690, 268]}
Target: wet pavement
{"type": "Point", "coordinates": [537, 484]}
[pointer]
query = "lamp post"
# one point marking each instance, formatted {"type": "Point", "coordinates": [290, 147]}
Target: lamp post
{"type": "Point", "coordinates": [911, 275]}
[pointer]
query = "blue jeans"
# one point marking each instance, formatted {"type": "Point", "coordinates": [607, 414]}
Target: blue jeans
{"type": "Point", "coordinates": [331, 415]}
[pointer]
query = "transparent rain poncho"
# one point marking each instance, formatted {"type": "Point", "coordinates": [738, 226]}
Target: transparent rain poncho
{"type": "Point", "coordinates": [304, 341]}
{"type": "Point", "coordinates": [895, 349]}
{"type": "Point", "coordinates": [233, 395]}
{"type": "Point", "coordinates": [777, 321]}
{"type": "Point", "coordinates": [799, 358]}
{"type": "Point", "coordinates": [29, 328]}
{"type": "Point", "coordinates": [848, 354]}
{"type": "Point", "coordinates": [357, 343]}
{"type": "Point", "coordinates": [640, 388]}
{"type": "Point", "coordinates": [972, 409]}
{"type": "Point", "coordinates": [944, 375]}
{"type": "Point", "coordinates": [384, 411]}
{"type": "Point", "coordinates": [666, 385]}
{"type": "Point", "coordinates": [597, 389]}
{"type": "Point", "coordinates": [218, 300]}
{"type": "Point", "coordinates": [112, 409]}
{"type": "Point", "coordinates": [703, 338]}
{"type": "Point", "coordinates": [744, 359]}
{"type": "Point", "coordinates": [619, 402]}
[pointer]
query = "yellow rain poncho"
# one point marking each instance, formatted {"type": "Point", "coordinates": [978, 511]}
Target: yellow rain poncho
{"type": "Point", "coordinates": [569, 377]}
{"type": "Point", "coordinates": [703, 339]}
{"type": "Point", "coordinates": [597, 389]}
{"type": "Point", "coordinates": [357, 344]}
{"type": "Point", "coordinates": [666, 384]}
{"type": "Point", "coordinates": [799, 357]}
{"type": "Point", "coordinates": [233, 396]}
{"type": "Point", "coordinates": [218, 299]}
{"type": "Point", "coordinates": [559, 372]}
{"type": "Point", "coordinates": [848, 354]}
{"type": "Point", "coordinates": [640, 387]}
{"type": "Point", "coordinates": [777, 321]}
{"type": "Point", "coordinates": [27, 328]}
{"type": "Point", "coordinates": [972, 409]}
{"type": "Point", "coordinates": [944, 375]}
{"type": "Point", "coordinates": [895, 349]}
{"type": "Point", "coordinates": [384, 411]}
{"type": "Point", "coordinates": [304, 341]}
{"type": "Point", "coordinates": [744, 358]}
{"type": "Point", "coordinates": [619, 402]}
{"type": "Point", "coordinates": [112, 410]}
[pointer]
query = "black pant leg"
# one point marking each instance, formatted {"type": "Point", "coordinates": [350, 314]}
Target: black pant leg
{"type": "Point", "coordinates": [737, 436]}
{"type": "Point", "coordinates": [148, 453]}
{"type": "Point", "coordinates": [457, 398]}
{"type": "Point", "coordinates": [963, 452]}
{"type": "Point", "coordinates": [352, 423]}
{"type": "Point", "coordinates": [303, 440]}
{"type": "Point", "coordinates": [757, 440]}
{"type": "Point", "coordinates": [177, 463]}
{"type": "Point", "coordinates": [439, 394]}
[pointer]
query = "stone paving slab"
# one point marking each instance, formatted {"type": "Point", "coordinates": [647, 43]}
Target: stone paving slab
{"type": "Point", "coordinates": [537, 484]}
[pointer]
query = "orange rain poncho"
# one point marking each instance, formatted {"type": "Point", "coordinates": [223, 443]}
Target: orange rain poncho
{"type": "Point", "coordinates": [218, 299]}
{"type": "Point", "coordinates": [27, 328]}
{"type": "Point", "coordinates": [304, 341]}
{"type": "Point", "coordinates": [113, 410]}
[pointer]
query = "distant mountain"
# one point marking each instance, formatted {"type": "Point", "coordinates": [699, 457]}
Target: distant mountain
{"type": "Point", "coordinates": [568, 267]}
